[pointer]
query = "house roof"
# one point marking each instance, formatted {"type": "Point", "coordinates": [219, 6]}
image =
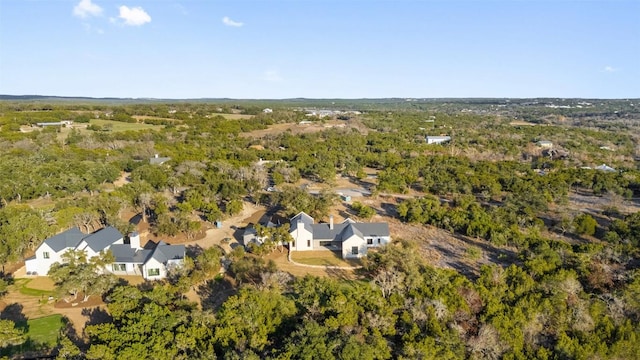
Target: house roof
{"type": "Point", "coordinates": [165, 252]}
{"type": "Point", "coordinates": [158, 160]}
{"type": "Point", "coordinates": [346, 229]}
{"type": "Point", "coordinates": [324, 231]}
{"type": "Point", "coordinates": [124, 253]}
{"type": "Point", "coordinates": [68, 239]}
{"type": "Point", "coordinates": [351, 230]}
{"type": "Point", "coordinates": [373, 229]}
{"type": "Point", "coordinates": [605, 168]}
{"type": "Point", "coordinates": [103, 238]}
{"type": "Point", "coordinates": [339, 232]}
{"type": "Point", "coordinates": [250, 230]}
{"type": "Point", "coordinates": [304, 219]}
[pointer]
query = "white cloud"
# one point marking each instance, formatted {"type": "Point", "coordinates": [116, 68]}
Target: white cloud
{"type": "Point", "coordinates": [86, 8]}
{"type": "Point", "coordinates": [272, 76]}
{"type": "Point", "coordinates": [134, 16]}
{"type": "Point", "coordinates": [609, 69]}
{"type": "Point", "coordinates": [227, 21]}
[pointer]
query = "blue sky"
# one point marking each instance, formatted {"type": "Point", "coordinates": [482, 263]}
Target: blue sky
{"type": "Point", "coordinates": [320, 48]}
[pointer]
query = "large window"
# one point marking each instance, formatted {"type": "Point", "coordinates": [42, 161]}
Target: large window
{"type": "Point", "coordinates": [45, 255]}
{"type": "Point", "coordinates": [153, 272]}
{"type": "Point", "coordinates": [354, 250]}
{"type": "Point", "coordinates": [325, 243]}
{"type": "Point", "coordinates": [119, 267]}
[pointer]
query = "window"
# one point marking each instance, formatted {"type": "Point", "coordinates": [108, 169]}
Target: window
{"type": "Point", "coordinates": [153, 272]}
{"type": "Point", "coordinates": [369, 241]}
{"type": "Point", "coordinates": [308, 243]}
{"type": "Point", "coordinates": [354, 250]}
{"type": "Point", "coordinates": [378, 240]}
{"type": "Point", "coordinates": [45, 255]}
{"type": "Point", "coordinates": [325, 243]}
{"type": "Point", "coordinates": [119, 267]}
{"type": "Point", "coordinates": [293, 243]}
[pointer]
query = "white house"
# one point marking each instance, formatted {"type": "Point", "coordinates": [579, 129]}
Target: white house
{"type": "Point", "coordinates": [158, 160]}
{"type": "Point", "coordinates": [546, 144]}
{"type": "Point", "coordinates": [130, 258]}
{"type": "Point", "coordinates": [352, 239]}
{"type": "Point", "coordinates": [438, 139]}
{"type": "Point", "coordinates": [51, 250]}
{"type": "Point", "coordinates": [163, 258]}
{"type": "Point", "coordinates": [267, 111]}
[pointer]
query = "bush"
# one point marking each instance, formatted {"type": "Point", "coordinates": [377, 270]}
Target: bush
{"type": "Point", "coordinates": [585, 224]}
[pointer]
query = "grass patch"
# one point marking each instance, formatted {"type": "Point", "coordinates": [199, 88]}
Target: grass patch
{"type": "Point", "coordinates": [474, 253]}
{"type": "Point", "coordinates": [45, 330]}
{"type": "Point", "coordinates": [22, 286]}
{"type": "Point", "coordinates": [116, 126]}
{"type": "Point", "coordinates": [41, 337]}
{"type": "Point", "coordinates": [323, 258]}
{"type": "Point", "coordinates": [235, 116]}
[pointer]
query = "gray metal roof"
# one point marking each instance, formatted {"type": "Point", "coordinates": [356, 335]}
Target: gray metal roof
{"type": "Point", "coordinates": [303, 219]}
{"type": "Point", "coordinates": [68, 239]}
{"type": "Point", "coordinates": [351, 230]}
{"type": "Point", "coordinates": [324, 232]}
{"type": "Point", "coordinates": [373, 229]}
{"type": "Point", "coordinates": [103, 238]}
{"type": "Point", "coordinates": [346, 229]}
{"type": "Point", "coordinates": [159, 160]}
{"type": "Point", "coordinates": [124, 253]}
{"type": "Point", "coordinates": [164, 252]}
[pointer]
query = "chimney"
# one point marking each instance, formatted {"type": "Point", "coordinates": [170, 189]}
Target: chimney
{"type": "Point", "coordinates": [331, 222]}
{"type": "Point", "coordinates": [134, 240]}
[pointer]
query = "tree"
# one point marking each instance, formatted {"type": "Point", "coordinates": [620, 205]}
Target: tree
{"type": "Point", "coordinates": [78, 274]}
{"type": "Point", "coordinates": [363, 211]}
{"type": "Point", "coordinates": [585, 224]}
{"type": "Point", "coordinates": [9, 334]}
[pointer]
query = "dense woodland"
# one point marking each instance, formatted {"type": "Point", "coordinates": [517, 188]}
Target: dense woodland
{"type": "Point", "coordinates": [569, 287]}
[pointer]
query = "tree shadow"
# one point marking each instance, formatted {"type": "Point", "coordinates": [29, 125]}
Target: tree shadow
{"type": "Point", "coordinates": [193, 251]}
{"type": "Point", "coordinates": [213, 293]}
{"type": "Point", "coordinates": [14, 313]}
{"type": "Point", "coordinates": [70, 332]}
{"type": "Point", "coordinates": [389, 209]}
{"type": "Point", "coordinates": [342, 275]}
{"type": "Point", "coordinates": [96, 315]}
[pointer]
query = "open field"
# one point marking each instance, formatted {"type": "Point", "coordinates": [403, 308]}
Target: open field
{"type": "Point", "coordinates": [280, 259]}
{"type": "Point", "coordinates": [123, 126]}
{"type": "Point", "coordinates": [235, 116]}
{"type": "Point", "coordinates": [296, 128]}
{"type": "Point", "coordinates": [145, 117]}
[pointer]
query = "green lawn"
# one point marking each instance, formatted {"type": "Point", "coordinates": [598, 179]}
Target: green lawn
{"type": "Point", "coordinates": [45, 330]}
{"type": "Point", "coordinates": [325, 258]}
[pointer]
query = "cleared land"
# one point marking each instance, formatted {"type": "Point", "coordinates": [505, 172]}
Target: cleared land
{"type": "Point", "coordinates": [297, 128]}
{"type": "Point", "coordinates": [123, 126]}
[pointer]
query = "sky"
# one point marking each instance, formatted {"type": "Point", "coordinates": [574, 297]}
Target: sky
{"type": "Point", "coordinates": [274, 49]}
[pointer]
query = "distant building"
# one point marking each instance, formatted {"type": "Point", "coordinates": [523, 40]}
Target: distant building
{"type": "Point", "coordinates": [438, 139]}
{"type": "Point", "coordinates": [605, 168]}
{"type": "Point", "coordinates": [157, 160]}
{"type": "Point", "coordinates": [267, 111]}
{"type": "Point", "coordinates": [58, 123]}
{"type": "Point", "coordinates": [545, 144]}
